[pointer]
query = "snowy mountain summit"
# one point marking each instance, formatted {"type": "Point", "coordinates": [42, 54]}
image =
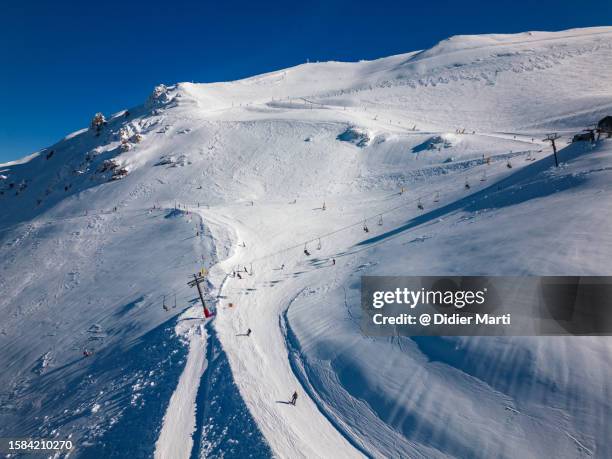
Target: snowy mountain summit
{"type": "Point", "coordinates": [279, 192]}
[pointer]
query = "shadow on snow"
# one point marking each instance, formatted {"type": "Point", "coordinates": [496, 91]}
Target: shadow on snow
{"type": "Point", "coordinates": [224, 425]}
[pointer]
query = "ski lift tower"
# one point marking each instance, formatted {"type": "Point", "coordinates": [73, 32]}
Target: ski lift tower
{"type": "Point", "coordinates": [197, 280]}
{"type": "Point", "coordinates": [551, 138]}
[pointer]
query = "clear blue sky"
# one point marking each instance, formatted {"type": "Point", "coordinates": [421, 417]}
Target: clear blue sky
{"type": "Point", "coordinates": [61, 61]}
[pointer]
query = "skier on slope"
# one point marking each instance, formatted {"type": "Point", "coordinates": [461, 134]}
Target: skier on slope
{"type": "Point", "coordinates": [333, 262]}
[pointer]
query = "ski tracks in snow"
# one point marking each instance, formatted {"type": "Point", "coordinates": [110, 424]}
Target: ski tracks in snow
{"type": "Point", "coordinates": [176, 436]}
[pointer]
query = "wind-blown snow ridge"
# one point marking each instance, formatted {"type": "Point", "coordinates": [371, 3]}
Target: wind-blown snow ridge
{"type": "Point", "coordinates": [439, 153]}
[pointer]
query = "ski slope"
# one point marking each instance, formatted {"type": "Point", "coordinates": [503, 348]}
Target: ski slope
{"type": "Point", "coordinates": [100, 233]}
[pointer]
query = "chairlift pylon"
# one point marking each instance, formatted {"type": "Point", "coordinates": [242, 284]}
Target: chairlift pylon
{"type": "Point", "coordinates": [380, 220]}
{"type": "Point", "coordinates": [365, 227]}
{"type": "Point", "coordinates": [437, 196]}
{"type": "Point", "coordinates": [420, 204]}
{"type": "Point", "coordinates": [319, 244]}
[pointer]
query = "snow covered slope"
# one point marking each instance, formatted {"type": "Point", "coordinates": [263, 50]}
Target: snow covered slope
{"type": "Point", "coordinates": [101, 232]}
